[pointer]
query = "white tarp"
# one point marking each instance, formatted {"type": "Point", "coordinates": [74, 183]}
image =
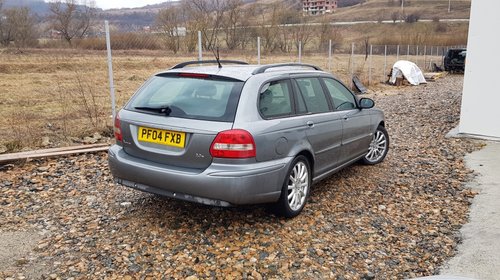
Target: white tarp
{"type": "Point", "coordinates": [409, 71]}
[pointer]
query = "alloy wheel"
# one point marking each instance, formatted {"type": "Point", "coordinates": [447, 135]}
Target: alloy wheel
{"type": "Point", "coordinates": [298, 186]}
{"type": "Point", "coordinates": [378, 147]}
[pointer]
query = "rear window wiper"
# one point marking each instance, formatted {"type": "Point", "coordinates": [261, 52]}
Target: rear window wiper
{"type": "Point", "coordinates": [164, 110]}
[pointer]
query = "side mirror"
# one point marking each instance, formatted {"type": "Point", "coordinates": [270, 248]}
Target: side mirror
{"type": "Point", "coordinates": [366, 103]}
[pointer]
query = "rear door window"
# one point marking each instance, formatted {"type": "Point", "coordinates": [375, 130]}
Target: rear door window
{"type": "Point", "coordinates": [275, 100]}
{"type": "Point", "coordinates": [186, 97]}
{"type": "Point", "coordinates": [313, 95]}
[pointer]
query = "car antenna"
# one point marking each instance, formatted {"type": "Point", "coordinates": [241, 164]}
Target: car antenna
{"type": "Point", "coordinates": [216, 54]}
{"type": "Point", "coordinates": [217, 57]}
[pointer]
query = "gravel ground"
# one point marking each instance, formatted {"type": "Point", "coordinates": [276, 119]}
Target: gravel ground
{"type": "Point", "coordinates": [395, 220]}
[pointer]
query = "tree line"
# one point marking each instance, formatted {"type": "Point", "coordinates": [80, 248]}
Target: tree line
{"type": "Point", "coordinates": [69, 19]}
{"type": "Point", "coordinates": [231, 24]}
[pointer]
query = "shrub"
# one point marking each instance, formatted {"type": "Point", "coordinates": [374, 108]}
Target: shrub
{"type": "Point", "coordinates": [412, 18]}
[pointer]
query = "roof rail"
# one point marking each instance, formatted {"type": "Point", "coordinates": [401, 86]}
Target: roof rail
{"type": "Point", "coordinates": [184, 64]}
{"type": "Point", "coordinates": [263, 69]}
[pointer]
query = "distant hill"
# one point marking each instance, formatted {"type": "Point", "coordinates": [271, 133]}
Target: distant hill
{"type": "Point", "coordinates": [384, 9]}
{"type": "Point", "coordinates": [347, 3]}
{"type": "Point", "coordinates": [38, 7]}
{"type": "Point", "coordinates": [129, 19]}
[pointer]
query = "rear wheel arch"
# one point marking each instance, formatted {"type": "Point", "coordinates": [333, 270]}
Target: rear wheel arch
{"type": "Point", "coordinates": [310, 158]}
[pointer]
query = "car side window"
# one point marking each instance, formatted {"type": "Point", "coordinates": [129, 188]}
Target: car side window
{"type": "Point", "coordinates": [342, 98]}
{"type": "Point", "coordinates": [275, 101]}
{"type": "Point", "coordinates": [313, 95]}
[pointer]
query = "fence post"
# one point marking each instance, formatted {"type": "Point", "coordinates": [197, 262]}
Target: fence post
{"type": "Point", "coordinates": [397, 54]}
{"type": "Point", "coordinates": [408, 53]}
{"type": "Point", "coordinates": [416, 56]}
{"type": "Point", "coordinates": [200, 53]}
{"type": "Point", "coordinates": [300, 51]}
{"type": "Point", "coordinates": [370, 66]}
{"type": "Point", "coordinates": [258, 50]}
{"type": "Point", "coordinates": [425, 56]}
{"type": "Point", "coordinates": [352, 64]}
{"type": "Point", "coordinates": [385, 62]}
{"type": "Point", "coordinates": [110, 70]}
{"type": "Point", "coordinates": [330, 56]}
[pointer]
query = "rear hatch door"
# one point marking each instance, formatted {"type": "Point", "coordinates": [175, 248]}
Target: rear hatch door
{"type": "Point", "coordinates": [173, 119]}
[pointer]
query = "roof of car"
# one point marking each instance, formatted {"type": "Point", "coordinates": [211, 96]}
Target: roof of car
{"type": "Point", "coordinates": [243, 72]}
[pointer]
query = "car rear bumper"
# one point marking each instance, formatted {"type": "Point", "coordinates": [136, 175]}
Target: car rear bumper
{"type": "Point", "coordinates": [219, 184]}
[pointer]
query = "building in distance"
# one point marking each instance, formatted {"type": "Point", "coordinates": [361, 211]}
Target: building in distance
{"type": "Point", "coordinates": [319, 7]}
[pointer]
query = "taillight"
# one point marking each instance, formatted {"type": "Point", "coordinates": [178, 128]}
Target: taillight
{"type": "Point", "coordinates": [117, 128]}
{"type": "Point", "coordinates": [235, 143]}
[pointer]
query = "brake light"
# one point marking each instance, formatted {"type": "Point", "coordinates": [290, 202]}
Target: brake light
{"type": "Point", "coordinates": [194, 75]}
{"type": "Point", "coordinates": [117, 129]}
{"type": "Point", "coordinates": [235, 143]}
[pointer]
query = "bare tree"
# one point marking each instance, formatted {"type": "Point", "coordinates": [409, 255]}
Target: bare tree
{"type": "Point", "coordinates": [302, 33]}
{"type": "Point", "coordinates": [6, 30]}
{"type": "Point", "coordinates": [395, 16]}
{"type": "Point", "coordinates": [268, 28]}
{"type": "Point", "coordinates": [207, 17]}
{"type": "Point", "coordinates": [286, 19]}
{"type": "Point", "coordinates": [327, 33]}
{"type": "Point", "coordinates": [234, 24]}
{"type": "Point", "coordinates": [24, 22]}
{"type": "Point", "coordinates": [247, 33]}
{"type": "Point", "coordinates": [17, 25]}
{"type": "Point", "coordinates": [72, 18]}
{"type": "Point", "coordinates": [324, 31]}
{"type": "Point", "coordinates": [169, 22]}
{"type": "Point", "coordinates": [366, 43]}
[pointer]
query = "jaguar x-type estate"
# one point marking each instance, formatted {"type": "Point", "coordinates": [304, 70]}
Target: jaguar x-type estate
{"type": "Point", "coordinates": [233, 134]}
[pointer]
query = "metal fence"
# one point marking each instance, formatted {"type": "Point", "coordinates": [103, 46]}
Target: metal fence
{"type": "Point", "coordinates": [53, 96]}
{"type": "Point", "coordinates": [371, 63]}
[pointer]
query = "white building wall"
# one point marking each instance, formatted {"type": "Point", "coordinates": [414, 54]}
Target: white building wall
{"type": "Point", "coordinates": [480, 114]}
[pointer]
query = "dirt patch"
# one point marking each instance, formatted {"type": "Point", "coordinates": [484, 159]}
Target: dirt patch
{"type": "Point", "coordinates": [15, 247]}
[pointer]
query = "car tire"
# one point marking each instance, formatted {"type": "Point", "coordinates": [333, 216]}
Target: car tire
{"type": "Point", "coordinates": [379, 146]}
{"type": "Point", "coordinates": [295, 189]}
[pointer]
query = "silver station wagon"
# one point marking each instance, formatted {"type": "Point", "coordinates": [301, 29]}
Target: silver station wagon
{"type": "Point", "coordinates": [233, 134]}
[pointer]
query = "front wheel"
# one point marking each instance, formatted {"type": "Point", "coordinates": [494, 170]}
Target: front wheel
{"type": "Point", "coordinates": [379, 147]}
{"type": "Point", "coordinates": [295, 188]}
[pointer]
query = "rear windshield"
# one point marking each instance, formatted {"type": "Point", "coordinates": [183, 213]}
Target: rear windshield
{"type": "Point", "coordinates": [187, 97]}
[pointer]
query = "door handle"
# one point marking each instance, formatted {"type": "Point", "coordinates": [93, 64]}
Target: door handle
{"type": "Point", "coordinates": [310, 124]}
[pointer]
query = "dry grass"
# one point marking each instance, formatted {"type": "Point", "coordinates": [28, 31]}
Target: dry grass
{"type": "Point", "coordinates": [430, 33]}
{"type": "Point", "coordinates": [62, 94]}
{"type": "Point", "coordinates": [383, 9]}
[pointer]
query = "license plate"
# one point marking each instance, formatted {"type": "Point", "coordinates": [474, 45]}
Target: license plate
{"type": "Point", "coordinates": [161, 136]}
